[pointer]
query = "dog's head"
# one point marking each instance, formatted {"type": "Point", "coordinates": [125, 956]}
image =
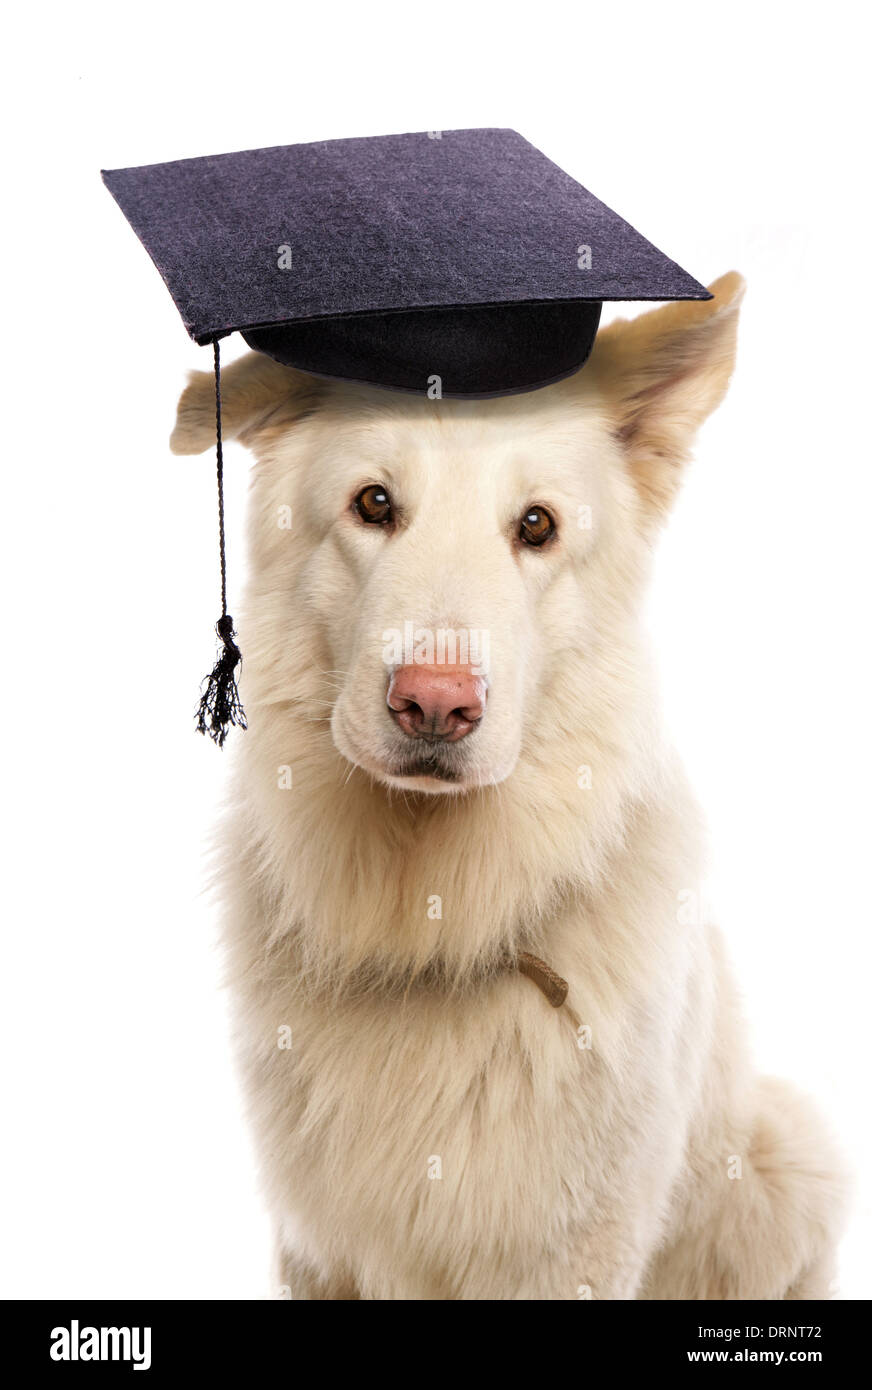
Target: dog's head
{"type": "Point", "coordinates": [426, 573]}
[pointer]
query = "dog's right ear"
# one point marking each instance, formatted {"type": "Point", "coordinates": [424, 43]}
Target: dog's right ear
{"type": "Point", "coordinates": [257, 395]}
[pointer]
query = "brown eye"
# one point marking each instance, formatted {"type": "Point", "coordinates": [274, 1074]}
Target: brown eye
{"type": "Point", "coordinates": [373, 505]}
{"type": "Point", "coordinates": [537, 526]}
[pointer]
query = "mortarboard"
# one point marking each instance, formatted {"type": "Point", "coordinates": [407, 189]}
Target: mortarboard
{"type": "Point", "coordinates": [457, 263]}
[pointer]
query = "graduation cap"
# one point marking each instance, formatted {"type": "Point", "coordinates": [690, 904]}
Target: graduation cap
{"type": "Point", "coordinates": [458, 263]}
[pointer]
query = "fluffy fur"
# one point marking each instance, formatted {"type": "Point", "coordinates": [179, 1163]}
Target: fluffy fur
{"type": "Point", "coordinates": [619, 1147]}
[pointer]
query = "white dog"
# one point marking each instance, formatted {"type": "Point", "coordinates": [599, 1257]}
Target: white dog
{"type": "Point", "coordinates": [454, 788]}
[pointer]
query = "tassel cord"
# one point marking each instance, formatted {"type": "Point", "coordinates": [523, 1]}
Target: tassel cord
{"type": "Point", "coordinates": [220, 705]}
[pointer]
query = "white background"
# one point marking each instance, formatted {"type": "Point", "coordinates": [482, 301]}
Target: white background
{"type": "Point", "coordinates": [731, 135]}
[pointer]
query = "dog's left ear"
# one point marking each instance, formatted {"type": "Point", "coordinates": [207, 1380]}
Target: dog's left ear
{"type": "Point", "coordinates": [662, 374]}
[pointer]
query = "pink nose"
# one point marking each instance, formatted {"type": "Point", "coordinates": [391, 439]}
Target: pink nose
{"type": "Point", "coordinates": [437, 702]}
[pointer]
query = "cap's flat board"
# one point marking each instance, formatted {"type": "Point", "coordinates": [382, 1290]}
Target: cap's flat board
{"type": "Point", "coordinates": [383, 223]}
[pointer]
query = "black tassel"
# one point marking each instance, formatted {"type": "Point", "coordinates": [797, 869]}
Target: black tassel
{"type": "Point", "coordinates": [220, 705]}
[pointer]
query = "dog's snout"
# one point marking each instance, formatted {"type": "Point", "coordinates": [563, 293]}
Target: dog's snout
{"type": "Point", "coordinates": [437, 702]}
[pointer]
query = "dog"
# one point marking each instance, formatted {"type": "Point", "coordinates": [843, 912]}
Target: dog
{"type": "Point", "coordinates": [487, 1052]}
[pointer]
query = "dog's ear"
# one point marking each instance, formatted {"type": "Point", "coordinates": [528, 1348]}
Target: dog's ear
{"type": "Point", "coordinates": [662, 374]}
{"type": "Point", "coordinates": [257, 395]}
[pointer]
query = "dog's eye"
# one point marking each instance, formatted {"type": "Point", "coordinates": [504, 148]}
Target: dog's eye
{"type": "Point", "coordinates": [537, 526]}
{"type": "Point", "coordinates": [373, 505]}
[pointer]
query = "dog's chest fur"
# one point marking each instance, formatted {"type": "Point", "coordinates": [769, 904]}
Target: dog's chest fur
{"type": "Point", "coordinates": [434, 1145]}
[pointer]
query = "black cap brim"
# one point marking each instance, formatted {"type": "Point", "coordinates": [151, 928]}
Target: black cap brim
{"type": "Point", "coordinates": [472, 351]}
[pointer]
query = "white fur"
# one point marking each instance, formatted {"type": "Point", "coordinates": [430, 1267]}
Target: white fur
{"type": "Point", "coordinates": [610, 1167]}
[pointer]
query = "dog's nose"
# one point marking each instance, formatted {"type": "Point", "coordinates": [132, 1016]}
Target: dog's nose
{"type": "Point", "coordinates": [437, 702]}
